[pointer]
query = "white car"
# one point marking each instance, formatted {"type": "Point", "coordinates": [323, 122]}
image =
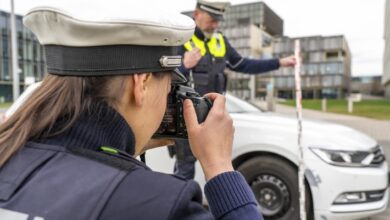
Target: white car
{"type": "Point", "coordinates": [346, 175]}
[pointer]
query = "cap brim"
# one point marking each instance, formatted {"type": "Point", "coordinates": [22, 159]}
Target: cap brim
{"type": "Point", "coordinates": [215, 13]}
{"type": "Point", "coordinates": [216, 17]}
{"type": "Point", "coordinates": [178, 77]}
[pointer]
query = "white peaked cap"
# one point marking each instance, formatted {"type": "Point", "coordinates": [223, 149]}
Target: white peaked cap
{"type": "Point", "coordinates": [97, 25]}
{"type": "Point", "coordinates": [215, 8]}
{"type": "Point", "coordinates": [129, 34]}
{"type": "Point", "coordinates": [220, 4]}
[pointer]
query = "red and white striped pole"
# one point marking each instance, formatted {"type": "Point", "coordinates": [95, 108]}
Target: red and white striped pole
{"type": "Point", "coordinates": [298, 98]}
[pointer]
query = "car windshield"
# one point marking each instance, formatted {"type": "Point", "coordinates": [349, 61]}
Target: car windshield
{"type": "Point", "coordinates": [236, 105]}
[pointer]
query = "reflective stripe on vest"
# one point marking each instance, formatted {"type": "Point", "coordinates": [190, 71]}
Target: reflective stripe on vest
{"type": "Point", "coordinates": [216, 45]}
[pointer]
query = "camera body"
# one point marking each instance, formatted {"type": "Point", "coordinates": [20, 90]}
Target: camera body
{"type": "Point", "coordinates": [173, 125]}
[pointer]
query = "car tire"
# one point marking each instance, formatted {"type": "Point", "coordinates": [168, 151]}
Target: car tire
{"type": "Point", "coordinates": [274, 182]}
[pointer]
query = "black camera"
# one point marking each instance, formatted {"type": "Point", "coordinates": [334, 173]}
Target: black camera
{"type": "Point", "coordinates": [173, 125]}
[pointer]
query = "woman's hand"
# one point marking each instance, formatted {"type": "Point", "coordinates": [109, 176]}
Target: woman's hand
{"type": "Point", "coordinates": [211, 141]}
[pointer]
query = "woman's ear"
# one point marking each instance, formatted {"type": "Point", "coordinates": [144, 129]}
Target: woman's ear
{"type": "Point", "coordinates": [140, 87]}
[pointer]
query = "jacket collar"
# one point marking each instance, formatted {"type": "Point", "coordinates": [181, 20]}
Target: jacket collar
{"type": "Point", "coordinates": [101, 125]}
{"type": "Point", "coordinates": [199, 34]}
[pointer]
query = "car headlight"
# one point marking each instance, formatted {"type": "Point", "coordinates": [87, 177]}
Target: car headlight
{"type": "Point", "coordinates": [345, 158]}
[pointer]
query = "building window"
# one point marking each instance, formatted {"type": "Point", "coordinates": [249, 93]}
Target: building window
{"type": "Point", "coordinates": [311, 69]}
{"type": "Point", "coordinates": [243, 21]}
{"type": "Point", "coordinates": [332, 43]}
{"type": "Point", "coordinates": [20, 49]}
{"type": "Point", "coordinates": [332, 68]}
{"type": "Point", "coordinates": [19, 26]}
{"type": "Point", "coordinates": [283, 82]}
{"type": "Point", "coordinates": [286, 71]}
{"type": "Point", "coordinates": [313, 44]}
{"type": "Point", "coordinates": [327, 81]}
{"type": "Point", "coordinates": [34, 52]}
{"type": "Point", "coordinates": [332, 55]}
{"type": "Point", "coordinates": [307, 82]}
{"type": "Point", "coordinates": [6, 75]}
{"type": "Point", "coordinates": [315, 81]}
{"type": "Point", "coordinates": [5, 46]}
{"type": "Point", "coordinates": [315, 57]}
{"type": "Point", "coordinates": [329, 93]}
{"type": "Point", "coordinates": [290, 82]}
{"type": "Point", "coordinates": [3, 23]}
{"type": "Point", "coordinates": [338, 81]}
{"type": "Point", "coordinates": [35, 69]}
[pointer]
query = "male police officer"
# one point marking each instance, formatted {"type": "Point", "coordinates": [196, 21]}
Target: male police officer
{"type": "Point", "coordinates": [206, 56]}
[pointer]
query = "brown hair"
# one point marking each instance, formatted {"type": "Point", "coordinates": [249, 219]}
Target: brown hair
{"type": "Point", "coordinates": [56, 97]}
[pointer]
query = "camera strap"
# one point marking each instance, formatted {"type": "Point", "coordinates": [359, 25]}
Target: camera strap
{"type": "Point", "coordinates": [143, 159]}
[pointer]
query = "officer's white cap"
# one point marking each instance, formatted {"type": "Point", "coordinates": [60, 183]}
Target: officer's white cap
{"type": "Point", "coordinates": [215, 8]}
{"type": "Point", "coordinates": [114, 38]}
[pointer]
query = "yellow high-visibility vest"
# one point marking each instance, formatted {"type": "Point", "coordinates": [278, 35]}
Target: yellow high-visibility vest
{"type": "Point", "coordinates": [216, 45]}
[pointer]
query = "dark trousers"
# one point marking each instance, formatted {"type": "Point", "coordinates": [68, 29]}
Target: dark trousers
{"type": "Point", "coordinates": [185, 160]}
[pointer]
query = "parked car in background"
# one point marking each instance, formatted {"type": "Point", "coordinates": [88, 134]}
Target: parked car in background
{"type": "Point", "coordinates": [346, 172]}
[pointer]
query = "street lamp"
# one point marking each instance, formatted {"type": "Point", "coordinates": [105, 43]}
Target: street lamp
{"type": "Point", "coordinates": [14, 51]}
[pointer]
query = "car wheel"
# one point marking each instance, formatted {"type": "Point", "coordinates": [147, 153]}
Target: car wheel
{"type": "Point", "coordinates": [275, 185]}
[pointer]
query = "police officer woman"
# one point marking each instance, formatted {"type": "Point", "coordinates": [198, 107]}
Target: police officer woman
{"type": "Point", "coordinates": [69, 151]}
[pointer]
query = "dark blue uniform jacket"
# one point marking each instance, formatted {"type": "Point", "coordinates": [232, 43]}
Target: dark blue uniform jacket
{"type": "Point", "coordinates": [67, 177]}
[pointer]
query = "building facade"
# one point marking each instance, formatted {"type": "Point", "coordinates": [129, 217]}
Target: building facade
{"type": "Point", "coordinates": [250, 29]}
{"type": "Point", "coordinates": [256, 13]}
{"type": "Point", "coordinates": [30, 56]}
{"type": "Point", "coordinates": [251, 42]}
{"type": "Point", "coordinates": [326, 67]}
{"type": "Point", "coordinates": [386, 56]}
{"type": "Point", "coordinates": [367, 85]}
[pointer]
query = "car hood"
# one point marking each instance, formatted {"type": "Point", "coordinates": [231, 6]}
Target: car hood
{"type": "Point", "coordinates": [315, 133]}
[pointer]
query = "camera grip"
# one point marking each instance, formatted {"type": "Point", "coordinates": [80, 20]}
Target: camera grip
{"type": "Point", "coordinates": [202, 107]}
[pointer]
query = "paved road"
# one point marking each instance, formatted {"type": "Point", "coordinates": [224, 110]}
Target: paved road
{"type": "Point", "coordinates": [378, 129]}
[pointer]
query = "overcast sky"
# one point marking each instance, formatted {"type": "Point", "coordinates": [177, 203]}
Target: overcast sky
{"type": "Point", "coordinates": [361, 21]}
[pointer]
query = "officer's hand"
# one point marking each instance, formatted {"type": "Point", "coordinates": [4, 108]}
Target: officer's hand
{"type": "Point", "coordinates": [211, 141]}
{"type": "Point", "coordinates": [191, 58]}
{"type": "Point", "coordinates": [289, 61]}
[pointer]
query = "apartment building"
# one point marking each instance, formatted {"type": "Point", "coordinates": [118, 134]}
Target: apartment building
{"type": "Point", "coordinates": [326, 67]}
